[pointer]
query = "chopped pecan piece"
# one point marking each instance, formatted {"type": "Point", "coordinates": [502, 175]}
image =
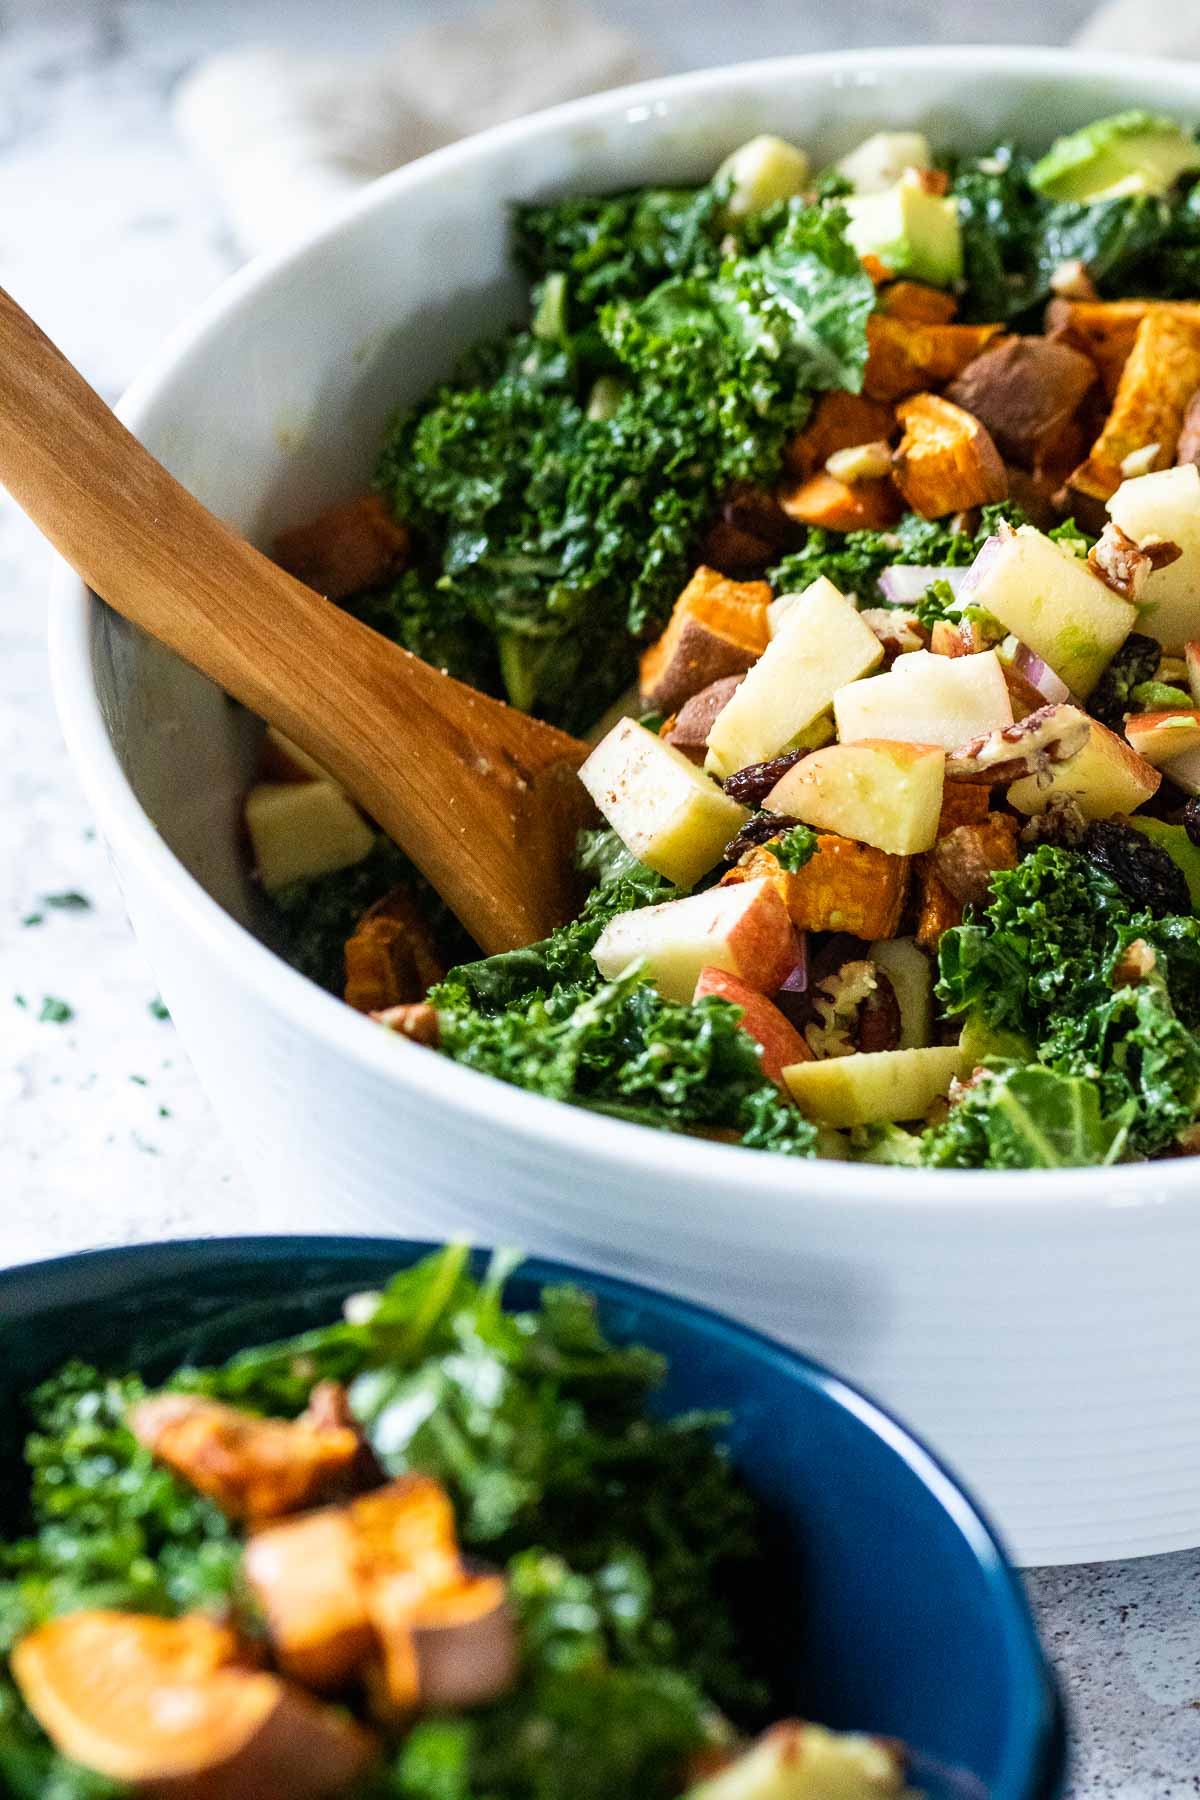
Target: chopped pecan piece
{"type": "Point", "coordinates": [898, 632]}
{"type": "Point", "coordinates": [391, 958]}
{"type": "Point", "coordinates": [1050, 735]}
{"type": "Point", "coordinates": [1124, 565]}
{"type": "Point", "coordinates": [1187, 450]}
{"type": "Point", "coordinates": [418, 1023]}
{"type": "Point", "coordinates": [1135, 964]}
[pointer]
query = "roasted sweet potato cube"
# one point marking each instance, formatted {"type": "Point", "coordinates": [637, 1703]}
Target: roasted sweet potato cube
{"type": "Point", "coordinates": [845, 886]}
{"type": "Point", "coordinates": [718, 627]}
{"type": "Point", "coordinates": [946, 461]}
{"type": "Point", "coordinates": [346, 549]}
{"type": "Point", "coordinates": [904, 357]}
{"type": "Point", "coordinates": [1026, 391]}
{"type": "Point", "coordinates": [918, 304]}
{"type": "Point", "coordinates": [958, 870]}
{"type": "Point", "coordinates": [391, 958]}
{"type": "Point", "coordinates": [937, 909]}
{"type": "Point", "coordinates": [140, 1701]}
{"type": "Point", "coordinates": [303, 1575]}
{"type": "Point", "coordinates": [1158, 380]}
{"type": "Point", "coordinates": [252, 1468]}
{"type": "Point", "coordinates": [688, 730]}
{"type": "Point", "coordinates": [1105, 330]}
{"type": "Point", "coordinates": [840, 421]}
{"type": "Point", "coordinates": [834, 505]}
{"type": "Point", "coordinates": [962, 804]}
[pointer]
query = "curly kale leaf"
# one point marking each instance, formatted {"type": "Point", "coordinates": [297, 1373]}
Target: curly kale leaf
{"type": "Point", "coordinates": [110, 1528]}
{"type": "Point", "coordinates": [1043, 960]}
{"type": "Point", "coordinates": [1014, 239]}
{"type": "Point", "coordinates": [1044, 942]}
{"type": "Point", "coordinates": [553, 534]}
{"type": "Point", "coordinates": [795, 848]}
{"type": "Point", "coordinates": [619, 246]}
{"type": "Point", "coordinates": [855, 560]}
{"type": "Point", "coordinates": [622, 1049]}
{"type": "Point", "coordinates": [1016, 1117]}
{"type": "Point", "coordinates": [1142, 1058]}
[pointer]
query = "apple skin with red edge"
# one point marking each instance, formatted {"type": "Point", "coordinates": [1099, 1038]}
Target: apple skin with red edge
{"type": "Point", "coordinates": [744, 929]}
{"type": "Point", "coordinates": [777, 1038]}
{"type": "Point", "coordinates": [1159, 736]}
{"type": "Point", "coordinates": [1106, 776]}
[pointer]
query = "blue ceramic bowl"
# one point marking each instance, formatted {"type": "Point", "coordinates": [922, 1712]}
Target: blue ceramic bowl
{"type": "Point", "coordinates": [897, 1613]}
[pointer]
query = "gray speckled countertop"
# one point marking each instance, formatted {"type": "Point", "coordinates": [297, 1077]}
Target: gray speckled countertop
{"type": "Point", "coordinates": [110, 236]}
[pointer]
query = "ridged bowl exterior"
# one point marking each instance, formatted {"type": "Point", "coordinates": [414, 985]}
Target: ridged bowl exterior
{"type": "Point", "coordinates": [1043, 1331]}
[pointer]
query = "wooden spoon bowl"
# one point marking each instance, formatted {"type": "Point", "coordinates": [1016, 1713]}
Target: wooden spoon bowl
{"type": "Point", "coordinates": [484, 799]}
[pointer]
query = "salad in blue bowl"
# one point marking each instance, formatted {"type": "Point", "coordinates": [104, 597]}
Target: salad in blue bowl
{"type": "Point", "coordinates": [303, 1517]}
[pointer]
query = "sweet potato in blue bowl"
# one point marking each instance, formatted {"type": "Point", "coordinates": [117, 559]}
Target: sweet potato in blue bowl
{"type": "Point", "coordinates": [721, 1531]}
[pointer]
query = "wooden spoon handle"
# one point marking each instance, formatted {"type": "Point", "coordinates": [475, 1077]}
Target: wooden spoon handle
{"type": "Point", "coordinates": [482, 798]}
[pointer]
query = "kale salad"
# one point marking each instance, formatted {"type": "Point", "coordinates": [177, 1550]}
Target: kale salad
{"type": "Point", "coordinates": [852, 516]}
{"type": "Point", "coordinates": [434, 1550]}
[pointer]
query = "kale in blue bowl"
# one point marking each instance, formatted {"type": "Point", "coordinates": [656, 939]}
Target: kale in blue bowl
{"type": "Point", "coordinates": [598, 1540]}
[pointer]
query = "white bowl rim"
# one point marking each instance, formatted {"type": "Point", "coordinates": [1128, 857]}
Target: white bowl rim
{"type": "Point", "coordinates": [856, 1188]}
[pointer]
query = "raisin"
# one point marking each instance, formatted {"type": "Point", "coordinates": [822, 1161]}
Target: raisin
{"type": "Point", "coordinates": [879, 1019]}
{"type": "Point", "coordinates": [1191, 821]}
{"type": "Point", "coordinates": [751, 785]}
{"type": "Point", "coordinates": [1141, 869]}
{"type": "Point", "coordinates": [759, 830]}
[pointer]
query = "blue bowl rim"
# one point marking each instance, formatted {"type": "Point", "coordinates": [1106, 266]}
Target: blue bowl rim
{"type": "Point", "coordinates": [1034, 1764]}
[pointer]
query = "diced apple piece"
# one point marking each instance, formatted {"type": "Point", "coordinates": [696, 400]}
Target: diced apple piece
{"type": "Point", "coordinates": [743, 928]}
{"type": "Point", "coordinates": [1166, 504]}
{"type": "Point", "coordinates": [1052, 601]}
{"type": "Point", "coordinates": [927, 699]}
{"type": "Point", "coordinates": [661, 806]}
{"type": "Point", "coordinates": [820, 644]}
{"type": "Point", "coordinates": [808, 1762]}
{"type": "Point", "coordinates": [1191, 652]}
{"type": "Point", "coordinates": [1103, 778]}
{"type": "Point", "coordinates": [881, 792]}
{"type": "Point", "coordinates": [876, 1087]}
{"type": "Point", "coordinates": [775, 1036]}
{"type": "Point", "coordinates": [1159, 736]}
{"type": "Point", "coordinates": [299, 830]}
{"type": "Point", "coordinates": [281, 760]}
{"type": "Point", "coordinates": [908, 969]}
{"type": "Point", "coordinates": [1184, 771]}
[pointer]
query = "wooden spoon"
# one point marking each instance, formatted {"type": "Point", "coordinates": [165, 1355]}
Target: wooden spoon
{"type": "Point", "coordinates": [484, 799]}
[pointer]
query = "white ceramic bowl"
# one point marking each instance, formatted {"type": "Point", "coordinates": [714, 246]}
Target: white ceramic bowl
{"type": "Point", "coordinates": [1044, 1331]}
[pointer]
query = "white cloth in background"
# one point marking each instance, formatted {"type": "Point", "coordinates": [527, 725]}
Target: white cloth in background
{"type": "Point", "coordinates": [1144, 28]}
{"type": "Point", "coordinates": [290, 135]}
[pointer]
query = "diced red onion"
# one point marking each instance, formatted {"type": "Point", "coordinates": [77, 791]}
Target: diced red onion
{"type": "Point", "coordinates": [902, 584]}
{"type": "Point", "coordinates": [1040, 675]}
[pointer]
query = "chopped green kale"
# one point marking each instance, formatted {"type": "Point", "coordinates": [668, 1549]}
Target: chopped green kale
{"type": "Point", "coordinates": [55, 1011]}
{"type": "Point", "coordinates": [71, 900]}
{"type": "Point", "coordinates": [631, 1548]}
{"type": "Point", "coordinates": [1015, 238]}
{"type": "Point", "coordinates": [553, 535]}
{"type": "Point", "coordinates": [855, 560]}
{"type": "Point", "coordinates": [1016, 1117]}
{"type": "Point", "coordinates": [797, 846]}
{"type": "Point", "coordinates": [1044, 960]}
